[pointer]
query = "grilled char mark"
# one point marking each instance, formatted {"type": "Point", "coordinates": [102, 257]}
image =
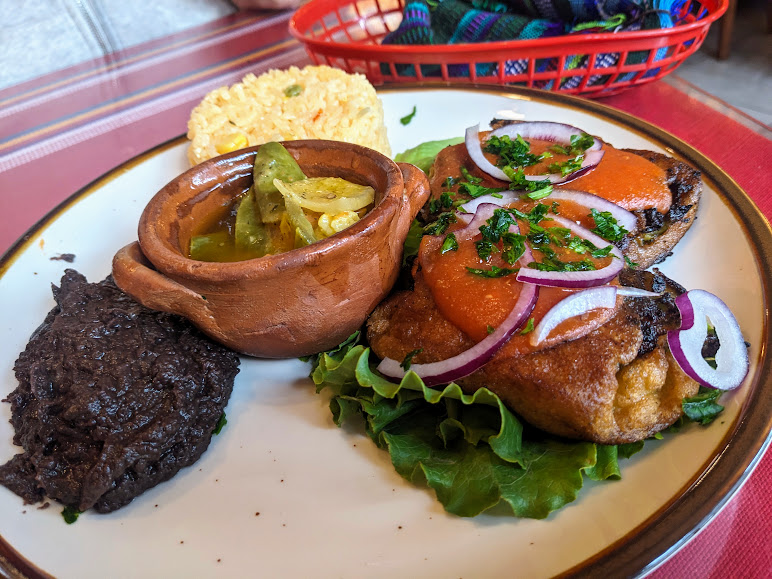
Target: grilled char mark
{"type": "Point", "coordinates": [684, 183]}
{"type": "Point", "coordinates": [655, 316]}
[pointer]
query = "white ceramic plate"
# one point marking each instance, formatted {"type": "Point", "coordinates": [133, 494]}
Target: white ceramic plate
{"type": "Point", "coordinates": [283, 492]}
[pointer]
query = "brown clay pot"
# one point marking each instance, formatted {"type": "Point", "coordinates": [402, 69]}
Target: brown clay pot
{"type": "Point", "coordinates": [292, 304]}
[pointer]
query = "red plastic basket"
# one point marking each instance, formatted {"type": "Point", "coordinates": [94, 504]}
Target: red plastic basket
{"type": "Point", "coordinates": [347, 35]}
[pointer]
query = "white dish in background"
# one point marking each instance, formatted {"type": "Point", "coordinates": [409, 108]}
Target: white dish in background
{"type": "Point", "coordinates": [283, 492]}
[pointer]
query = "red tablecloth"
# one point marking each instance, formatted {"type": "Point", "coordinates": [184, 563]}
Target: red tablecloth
{"type": "Point", "coordinates": [59, 133]}
{"type": "Point", "coordinates": [737, 543]}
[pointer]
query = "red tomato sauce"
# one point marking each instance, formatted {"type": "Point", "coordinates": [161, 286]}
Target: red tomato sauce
{"type": "Point", "coordinates": [477, 305]}
{"type": "Point", "coordinates": [623, 178]}
{"type": "Point", "coordinates": [628, 180]}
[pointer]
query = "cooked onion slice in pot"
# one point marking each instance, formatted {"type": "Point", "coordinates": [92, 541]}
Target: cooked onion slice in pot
{"type": "Point", "coordinates": [555, 132]}
{"type": "Point", "coordinates": [574, 305]}
{"type": "Point", "coordinates": [732, 364]}
{"type": "Point", "coordinates": [576, 279]}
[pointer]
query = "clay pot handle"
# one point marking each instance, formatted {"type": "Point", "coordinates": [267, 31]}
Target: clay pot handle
{"type": "Point", "coordinates": [415, 194]}
{"type": "Point", "coordinates": [134, 274]}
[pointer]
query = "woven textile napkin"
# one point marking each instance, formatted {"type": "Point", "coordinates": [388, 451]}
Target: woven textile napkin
{"type": "Point", "coordinates": [437, 22]}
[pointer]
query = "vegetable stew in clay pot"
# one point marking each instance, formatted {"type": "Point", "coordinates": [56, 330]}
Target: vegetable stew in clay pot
{"type": "Point", "coordinates": [288, 304]}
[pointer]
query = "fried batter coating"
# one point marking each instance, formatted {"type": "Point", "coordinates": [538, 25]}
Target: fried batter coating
{"type": "Point", "coordinates": [604, 387]}
{"type": "Point", "coordinates": [595, 388]}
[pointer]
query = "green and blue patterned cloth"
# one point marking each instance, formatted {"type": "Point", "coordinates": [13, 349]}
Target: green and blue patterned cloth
{"type": "Point", "coordinates": [438, 22]}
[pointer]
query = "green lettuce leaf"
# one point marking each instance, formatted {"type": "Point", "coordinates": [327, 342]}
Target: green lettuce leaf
{"type": "Point", "coordinates": [422, 156]}
{"type": "Point", "coordinates": [469, 448]}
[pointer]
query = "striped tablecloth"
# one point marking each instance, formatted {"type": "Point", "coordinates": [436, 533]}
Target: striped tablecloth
{"type": "Point", "coordinates": [60, 132]}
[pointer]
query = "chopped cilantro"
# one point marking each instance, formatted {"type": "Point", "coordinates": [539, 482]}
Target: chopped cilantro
{"type": "Point", "coordinates": [493, 272]}
{"type": "Point", "coordinates": [469, 177]}
{"type": "Point", "coordinates": [630, 263]}
{"type": "Point", "coordinates": [537, 194]}
{"type": "Point", "coordinates": [703, 407]}
{"type": "Point", "coordinates": [528, 327]}
{"type": "Point", "coordinates": [497, 225]}
{"type": "Point", "coordinates": [567, 167]}
{"type": "Point", "coordinates": [579, 144]}
{"type": "Point", "coordinates": [536, 189]}
{"type": "Point", "coordinates": [606, 226]}
{"type": "Point", "coordinates": [70, 515]}
{"type": "Point", "coordinates": [444, 201]}
{"type": "Point", "coordinates": [474, 190]}
{"type": "Point", "coordinates": [511, 153]}
{"type": "Point", "coordinates": [471, 186]}
{"type": "Point", "coordinates": [534, 216]}
{"type": "Point", "coordinates": [450, 244]}
{"type": "Point", "coordinates": [497, 229]}
{"type": "Point", "coordinates": [407, 118]}
{"type": "Point", "coordinates": [598, 251]}
{"type": "Point", "coordinates": [559, 236]}
{"type": "Point", "coordinates": [450, 182]}
{"type": "Point", "coordinates": [221, 422]}
{"type": "Point", "coordinates": [579, 245]}
{"type": "Point", "coordinates": [490, 329]}
{"type": "Point", "coordinates": [484, 249]}
{"type": "Point", "coordinates": [551, 262]}
{"type": "Point", "coordinates": [412, 241]}
{"type": "Point", "coordinates": [439, 226]}
{"type": "Point", "coordinates": [408, 360]}
{"type": "Point", "coordinates": [513, 247]}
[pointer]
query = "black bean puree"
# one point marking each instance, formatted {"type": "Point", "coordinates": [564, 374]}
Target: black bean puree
{"type": "Point", "coordinates": [113, 399]}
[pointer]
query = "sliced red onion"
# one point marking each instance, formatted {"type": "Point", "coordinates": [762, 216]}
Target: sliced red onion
{"type": "Point", "coordinates": [574, 305]}
{"type": "Point", "coordinates": [732, 364]}
{"type": "Point", "coordinates": [473, 147]}
{"type": "Point", "coordinates": [483, 212]}
{"type": "Point", "coordinates": [501, 199]}
{"type": "Point", "coordinates": [624, 217]}
{"type": "Point", "coordinates": [545, 131]}
{"type": "Point", "coordinates": [477, 356]}
{"type": "Point", "coordinates": [468, 361]}
{"type": "Point", "coordinates": [576, 279]}
{"type": "Point", "coordinates": [634, 292]}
